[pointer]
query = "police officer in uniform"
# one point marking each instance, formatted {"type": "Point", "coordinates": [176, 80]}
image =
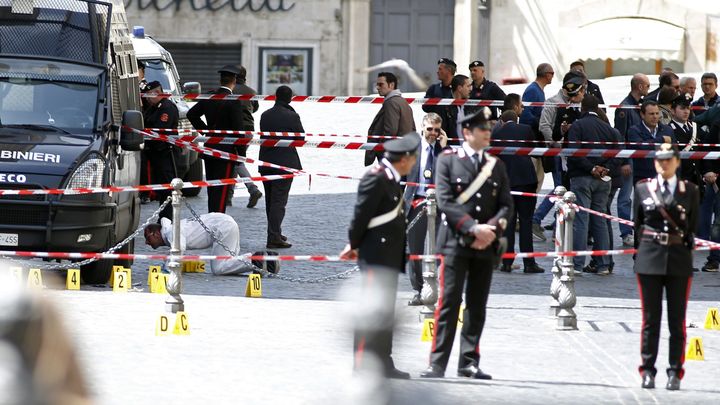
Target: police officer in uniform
{"type": "Point", "coordinates": [220, 114]}
{"type": "Point", "coordinates": [666, 217]}
{"type": "Point", "coordinates": [159, 112]}
{"type": "Point", "coordinates": [473, 193]}
{"type": "Point", "coordinates": [685, 133]}
{"type": "Point", "coordinates": [484, 89]}
{"type": "Point", "coordinates": [377, 241]}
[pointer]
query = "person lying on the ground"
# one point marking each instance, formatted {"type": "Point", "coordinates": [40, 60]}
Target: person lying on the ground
{"type": "Point", "coordinates": [193, 236]}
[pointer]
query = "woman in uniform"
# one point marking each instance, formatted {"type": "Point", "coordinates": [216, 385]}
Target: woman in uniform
{"type": "Point", "coordinates": [666, 216]}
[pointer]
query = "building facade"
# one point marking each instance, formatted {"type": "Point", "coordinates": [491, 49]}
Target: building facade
{"type": "Point", "coordinates": [326, 46]}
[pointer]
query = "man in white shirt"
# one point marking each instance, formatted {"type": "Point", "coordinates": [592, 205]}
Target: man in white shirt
{"type": "Point", "coordinates": [193, 236]}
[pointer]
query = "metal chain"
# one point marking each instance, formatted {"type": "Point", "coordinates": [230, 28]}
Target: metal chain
{"type": "Point", "coordinates": [263, 272]}
{"type": "Point", "coordinates": [416, 219]}
{"type": "Point", "coordinates": [72, 265]}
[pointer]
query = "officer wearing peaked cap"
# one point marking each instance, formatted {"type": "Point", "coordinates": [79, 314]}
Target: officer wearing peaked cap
{"type": "Point", "coordinates": [473, 193]}
{"type": "Point", "coordinates": [377, 241]}
{"type": "Point", "coordinates": [665, 209]}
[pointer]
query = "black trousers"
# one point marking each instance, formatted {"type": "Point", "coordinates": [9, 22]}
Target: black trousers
{"type": "Point", "coordinates": [374, 330]}
{"type": "Point", "coordinates": [524, 209]}
{"type": "Point", "coordinates": [677, 290]}
{"type": "Point", "coordinates": [218, 169]}
{"type": "Point", "coordinates": [416, 245]}
{"type": "Point", "coordinates": [161, 169]}
{"type": "Point", "coordinates": [478, 272]}
{"type": "Point", "coordinates": [276, 198]}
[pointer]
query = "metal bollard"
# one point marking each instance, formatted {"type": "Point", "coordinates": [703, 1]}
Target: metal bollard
{"type": "Point", "coordinates": [174, 301]}
{"type": "Point", "coordinates": [567, 320]}
{"type": "Point", "coordinates": [429, 291]}
{"type": "Point", "coordinates": [558, 241]}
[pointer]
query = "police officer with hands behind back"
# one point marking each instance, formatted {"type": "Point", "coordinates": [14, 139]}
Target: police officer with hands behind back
{"type": "Point", "coordinates": [377, 241]}
{"type": "Point", "coordinates": [159, 162]}
{"type": "Point", "coordinates": [666, 217]}
{"type": "Point", "coordinates": [473, 193]}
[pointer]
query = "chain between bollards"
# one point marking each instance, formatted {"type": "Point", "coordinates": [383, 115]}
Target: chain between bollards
{"type": "Point", "coordinates": [174, 302]}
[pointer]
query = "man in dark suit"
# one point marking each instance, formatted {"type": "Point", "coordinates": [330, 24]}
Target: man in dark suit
{"type": "Point", "coordinates": [280, 118]}
{"type": "Point", "coordinates": [521, 172]}
{"type": "Point", "coordinates": [649, 129]}
{"type": "Point", "coordinates": [452, 114]}
{"type": "Point", "coordinates": [473, 192]}
{"type": "Point", "coordinates": [433, 141]}
{"type": "Point", "coordinates": [377, 241]}
{"type": "Point", "coordinates": [220, 114]}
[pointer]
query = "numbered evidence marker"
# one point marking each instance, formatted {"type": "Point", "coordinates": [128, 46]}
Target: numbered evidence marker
{"type": "Point", "coordinates": [712, 319]}
{"type": "Point", "coordinates": [182, 326]}
{"type": "Point", "coordinates": [162, 326]}
{"type": "Point", "coordinates": [254, 286]}
{"type": "Point", "coordinates": [695, 349]}
{"type": "Point", "coordinates": [129, 276]}
{"type": "Point", "coordinates": [120, 281]}
{"type": "Point", "coordinates": [34, 279]}
{"type": "Point", "coordinates": [73, 279]}
{"type": "Point", "coordinates": [160, 283]}
{"type": "Point", "coordinates": [193, 266]}
{"type": "Point", "coordinates": [153, 272]}
{"type": "Point", "coordinates": [428, 332]}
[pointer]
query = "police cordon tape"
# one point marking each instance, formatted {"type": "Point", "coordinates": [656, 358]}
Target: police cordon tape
{"type": "Point", "coordinates": [380, 100]}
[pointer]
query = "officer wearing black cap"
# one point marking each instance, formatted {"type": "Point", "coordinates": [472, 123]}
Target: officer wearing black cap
{"type": "Point", "coordinates": [666, 217]}
{"type": "Point", "coordinates": [473, 193]}
{"type": "Point", "coordinates": [445, 73]}
{"type": "Point", "coordinates": [484, 89]}
{"type": "Point", "coordinates": [220, 114]}
{"type": "Point", "coordinates": [377, 239]}
{"type": "Point", "coordinates": [157, 156]}
{"type": "Point", "coordinates": [685, 133]}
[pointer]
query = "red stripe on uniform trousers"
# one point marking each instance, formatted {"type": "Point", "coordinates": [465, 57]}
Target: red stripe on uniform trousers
{"type": "Point", "coordinates": [223, 195]}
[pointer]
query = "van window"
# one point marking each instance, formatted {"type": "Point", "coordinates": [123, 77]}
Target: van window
{"type": "Point", "coordinates": [156, 69]}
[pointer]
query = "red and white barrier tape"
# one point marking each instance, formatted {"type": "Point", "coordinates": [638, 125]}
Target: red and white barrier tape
{"type": "Point", "coordinates": [604, 153]}
{"type": "Point", "coordinates": [380, 100]}
{"type": "Point", "coordinates": [281, 143]}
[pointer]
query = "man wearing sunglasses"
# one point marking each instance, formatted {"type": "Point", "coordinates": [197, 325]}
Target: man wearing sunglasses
{"type": "Point", "coordinates": [433, 141]}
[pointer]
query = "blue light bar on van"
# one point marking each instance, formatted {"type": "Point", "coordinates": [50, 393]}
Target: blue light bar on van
{"type": "Point", "coordinates": [139, 31]}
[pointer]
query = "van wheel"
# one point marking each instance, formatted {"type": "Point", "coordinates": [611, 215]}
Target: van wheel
{"type": "Point", "coordinates": [194, 173]}
{"type": "Point", "coordinates": [97, 272]}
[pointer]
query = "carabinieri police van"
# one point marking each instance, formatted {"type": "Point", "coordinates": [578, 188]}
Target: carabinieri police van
{"type": "Point", "coordinates": [68, 83]}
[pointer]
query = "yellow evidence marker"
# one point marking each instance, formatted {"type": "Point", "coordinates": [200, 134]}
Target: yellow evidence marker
{"type": "Point", "coordinates": [162, 326]}
{"type": "Point", "coordinates": [73, 279]}
{"type": "Point", "coordinates": [115, 269]}
{"type": "Point", "coordinates": [161, 284]}
{"type": "Point", "coordinates": [34, 278]}
{"type": "Point", "coordinates": [695, 349]}
{"type": "Point", "coordinates": [120, 281]}
{"type": "Point", "coordinates": [428, 332]}
{"type": "Point", "coordinates": [254, 286]}
{"type": "Point", "coordinates": [712, 320]}
{"type": "Point", "coordinates": [182, 326]}
{"type": "Point", "coordinates": [193, 266]}
{"type": "Point", "coordinates": [153, 272]}
{"type": "Point", "coordinates": [128, 270]}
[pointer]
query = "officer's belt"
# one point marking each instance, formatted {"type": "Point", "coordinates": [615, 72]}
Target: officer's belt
{"type": "Point", "coordinates": [386, 217]}
{"type": "Point", "coordinates": [662, 238]}
{"type": "Point", "coordinates": [481, 178]}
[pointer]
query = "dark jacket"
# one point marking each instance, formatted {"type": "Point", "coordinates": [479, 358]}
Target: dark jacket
{"type": "Point", "coordinates": [531, 115]}
{"type": "Point", "coordinates": [384, 245]}
{"type": "Point", "coordinates": [219, 114]}
{"type": "Point", "coordinates": [395, 118]}
{"type": "Point", "coordinates": [280, 118]}
{"type": "Point", "coordinates": [674, 259]}
{"type": "Point", "coordinates": [249, 107]}
{"type": "Point", "coordinates": [590, 128]}
{"type": "Point", "coordinates": [520, 169]}
{"type": "Point", "coordinates": [627, 117]}
{"type": "Point", "coordinates": [487, 90]}
{"type": "Point", "coordinates": [162, 115]}
{"type": "Point", "coordinates": [594, 90]}
{"type": "Point", "coordinates": [414, 175]}
{"type": "Point", "coordinates": [437, 90]}
{"type": "Point", "coordinates": [490, 204]}
{"type": "Point", "coordinates": [689, 168]}
{"type": "Point", "coordinates": [644, 167]}
{"type": "Point", "coordinates": [449, 115]}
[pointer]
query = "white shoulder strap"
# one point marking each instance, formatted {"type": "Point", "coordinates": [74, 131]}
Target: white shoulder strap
{"type": "Point", "coordinates": [386, 217]}
{"type": "Point", "coordinates": [481, 178]}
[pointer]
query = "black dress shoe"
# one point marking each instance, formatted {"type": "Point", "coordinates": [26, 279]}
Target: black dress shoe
{"type": "Point", "coordinates": [432, 372]}
{"type": "Point", "coordinates": [533, 268]}
{"type": "Point", "coordinates": [396, 374]}
{"type": "Point", "coordinates": [473, 372]}
{"type": "Point", "coordinates": [506, 268]}
{"type": "Point", "coordinates": [673, 383]}
{"type": "Point", "coordinates": [648, 380]}
{"type": "Point", "coordinates": [281, 244]}
{"type": "Point", "coordinates": [254, 198]}
{"type": "Point", "coordinates": [415, 301]}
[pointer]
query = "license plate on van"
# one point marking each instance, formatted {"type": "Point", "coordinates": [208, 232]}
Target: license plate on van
{"type": "Point", "coordinates": [8, 239]}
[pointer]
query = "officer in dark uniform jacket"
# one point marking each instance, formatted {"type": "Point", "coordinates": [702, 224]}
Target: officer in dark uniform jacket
{"type": "Point", "coordinates": [686, 134]}
{"type": "Point", "coordinates": [220, 114]}
{"type": "Point", "coordinates": [666, 217]}
{"type": "Point", "coordinates": [159, 160]}
{"type": "Point", "coordinates": [485, 89]}
{"type": "Point", "coordinates": [473, 193]}
{"type": "Point", "coordinates": [377, 241]}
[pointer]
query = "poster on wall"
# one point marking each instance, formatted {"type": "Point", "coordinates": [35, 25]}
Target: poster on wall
{"type": "Point", "coordinates": [291, 67]}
